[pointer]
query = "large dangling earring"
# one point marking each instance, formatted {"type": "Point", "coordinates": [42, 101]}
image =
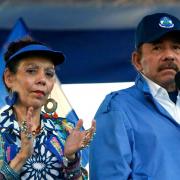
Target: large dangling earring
{"type": "Point", "coordinates": [11, 99]}
{"type": "Point", "coordinates": [52, 109]}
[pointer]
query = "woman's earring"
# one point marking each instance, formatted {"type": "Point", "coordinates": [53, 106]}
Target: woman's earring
{"type": "Point", "coordinates": [53, 105]}
{"type": "Point", "coordinates": [11, 99]}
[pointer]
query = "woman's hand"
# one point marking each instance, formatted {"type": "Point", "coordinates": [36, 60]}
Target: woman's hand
{"type": "Point", "coordinates": [26, 142]}
{"type": "Point", "coordinates": [78, 139]}
{"type": "Point", "coordinates": [26, 135]}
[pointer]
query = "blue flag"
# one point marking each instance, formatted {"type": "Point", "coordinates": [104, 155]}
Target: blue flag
{"type": "Point", "coordinates": [19, 31]}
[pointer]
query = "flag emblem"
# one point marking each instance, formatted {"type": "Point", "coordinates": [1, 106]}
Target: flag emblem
{"type": "Point", "coordinates": [166, 22]}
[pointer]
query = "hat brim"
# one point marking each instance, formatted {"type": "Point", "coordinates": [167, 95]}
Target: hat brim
{"type": "Point", "coordinates": [56, 57]}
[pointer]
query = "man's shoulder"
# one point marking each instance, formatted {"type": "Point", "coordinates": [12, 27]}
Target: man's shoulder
{"type": "Point", "coordinates": [122, 93]}
{"type": "Point", "coordinates": [118, 99]}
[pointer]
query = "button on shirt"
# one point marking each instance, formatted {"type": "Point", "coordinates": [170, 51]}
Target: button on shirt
{"type": "Point", "coordinates": [161, 95]}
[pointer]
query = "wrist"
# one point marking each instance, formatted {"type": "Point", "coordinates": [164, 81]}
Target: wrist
{"type": "Point", "coordinates": [70, 157]}
{"type": "Point", "coordinates": [18, 162]}
{"type": "Point", "coordinates": [8, 172]}
{"type": "Point", "coordinates": [71, 161]}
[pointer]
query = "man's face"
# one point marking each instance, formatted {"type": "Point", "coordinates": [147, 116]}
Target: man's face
{"type": "Point", "coordinates": [160, 61]}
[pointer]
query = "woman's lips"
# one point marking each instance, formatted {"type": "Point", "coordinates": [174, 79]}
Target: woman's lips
{"type": "Point", "coordinates": [39, 93]}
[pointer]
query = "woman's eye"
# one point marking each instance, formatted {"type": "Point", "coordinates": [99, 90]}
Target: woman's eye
{"type": "Point", "coordinates": [50, 73]}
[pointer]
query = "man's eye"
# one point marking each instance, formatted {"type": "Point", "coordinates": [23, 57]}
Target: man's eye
{"type": "Point", "coordinates": [155, 48]}
{"type": "Point", "coordinates": [177, 47]}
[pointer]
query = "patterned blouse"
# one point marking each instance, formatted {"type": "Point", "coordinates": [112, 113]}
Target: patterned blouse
{"type": "Point", "coordinates": [46, 160]}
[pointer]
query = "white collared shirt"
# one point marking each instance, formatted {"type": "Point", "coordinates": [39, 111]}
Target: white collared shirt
{"type": "Point", "coordinates": [161, 95]}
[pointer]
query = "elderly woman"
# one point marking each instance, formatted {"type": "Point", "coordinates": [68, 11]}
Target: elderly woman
{"type": "Point", "coordinates": [37, 145]}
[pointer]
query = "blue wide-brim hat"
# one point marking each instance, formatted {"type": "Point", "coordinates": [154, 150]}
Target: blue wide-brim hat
{"type": "Point", "coordinates": [57, 57]}
{"type": "Point", "coordinates": [153, 27]}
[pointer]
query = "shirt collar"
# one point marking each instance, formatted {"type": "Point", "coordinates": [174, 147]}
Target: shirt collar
{"type": "Point", "coordinates": [155, 89]}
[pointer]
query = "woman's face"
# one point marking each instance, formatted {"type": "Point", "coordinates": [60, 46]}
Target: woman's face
{"type": "Point", "coordinates": [34, 81]}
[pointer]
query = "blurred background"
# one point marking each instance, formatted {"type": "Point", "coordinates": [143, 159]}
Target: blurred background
{"type": "Point", "coordinates": [97, 37]}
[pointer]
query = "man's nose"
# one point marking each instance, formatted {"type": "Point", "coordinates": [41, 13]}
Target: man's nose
{"type": "Point", "coordinates": [168, 55]}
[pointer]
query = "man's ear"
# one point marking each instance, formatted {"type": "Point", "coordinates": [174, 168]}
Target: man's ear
{"type": "Point", "coordinates": [136, 61]}
{"type": "Point", "coordinates": [8, 78]}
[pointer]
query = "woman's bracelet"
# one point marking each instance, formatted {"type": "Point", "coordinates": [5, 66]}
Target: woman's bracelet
{"type": "Point", "coordinates": [72, 169]}
{"type": "Point", "coordinates": [8, 172]}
